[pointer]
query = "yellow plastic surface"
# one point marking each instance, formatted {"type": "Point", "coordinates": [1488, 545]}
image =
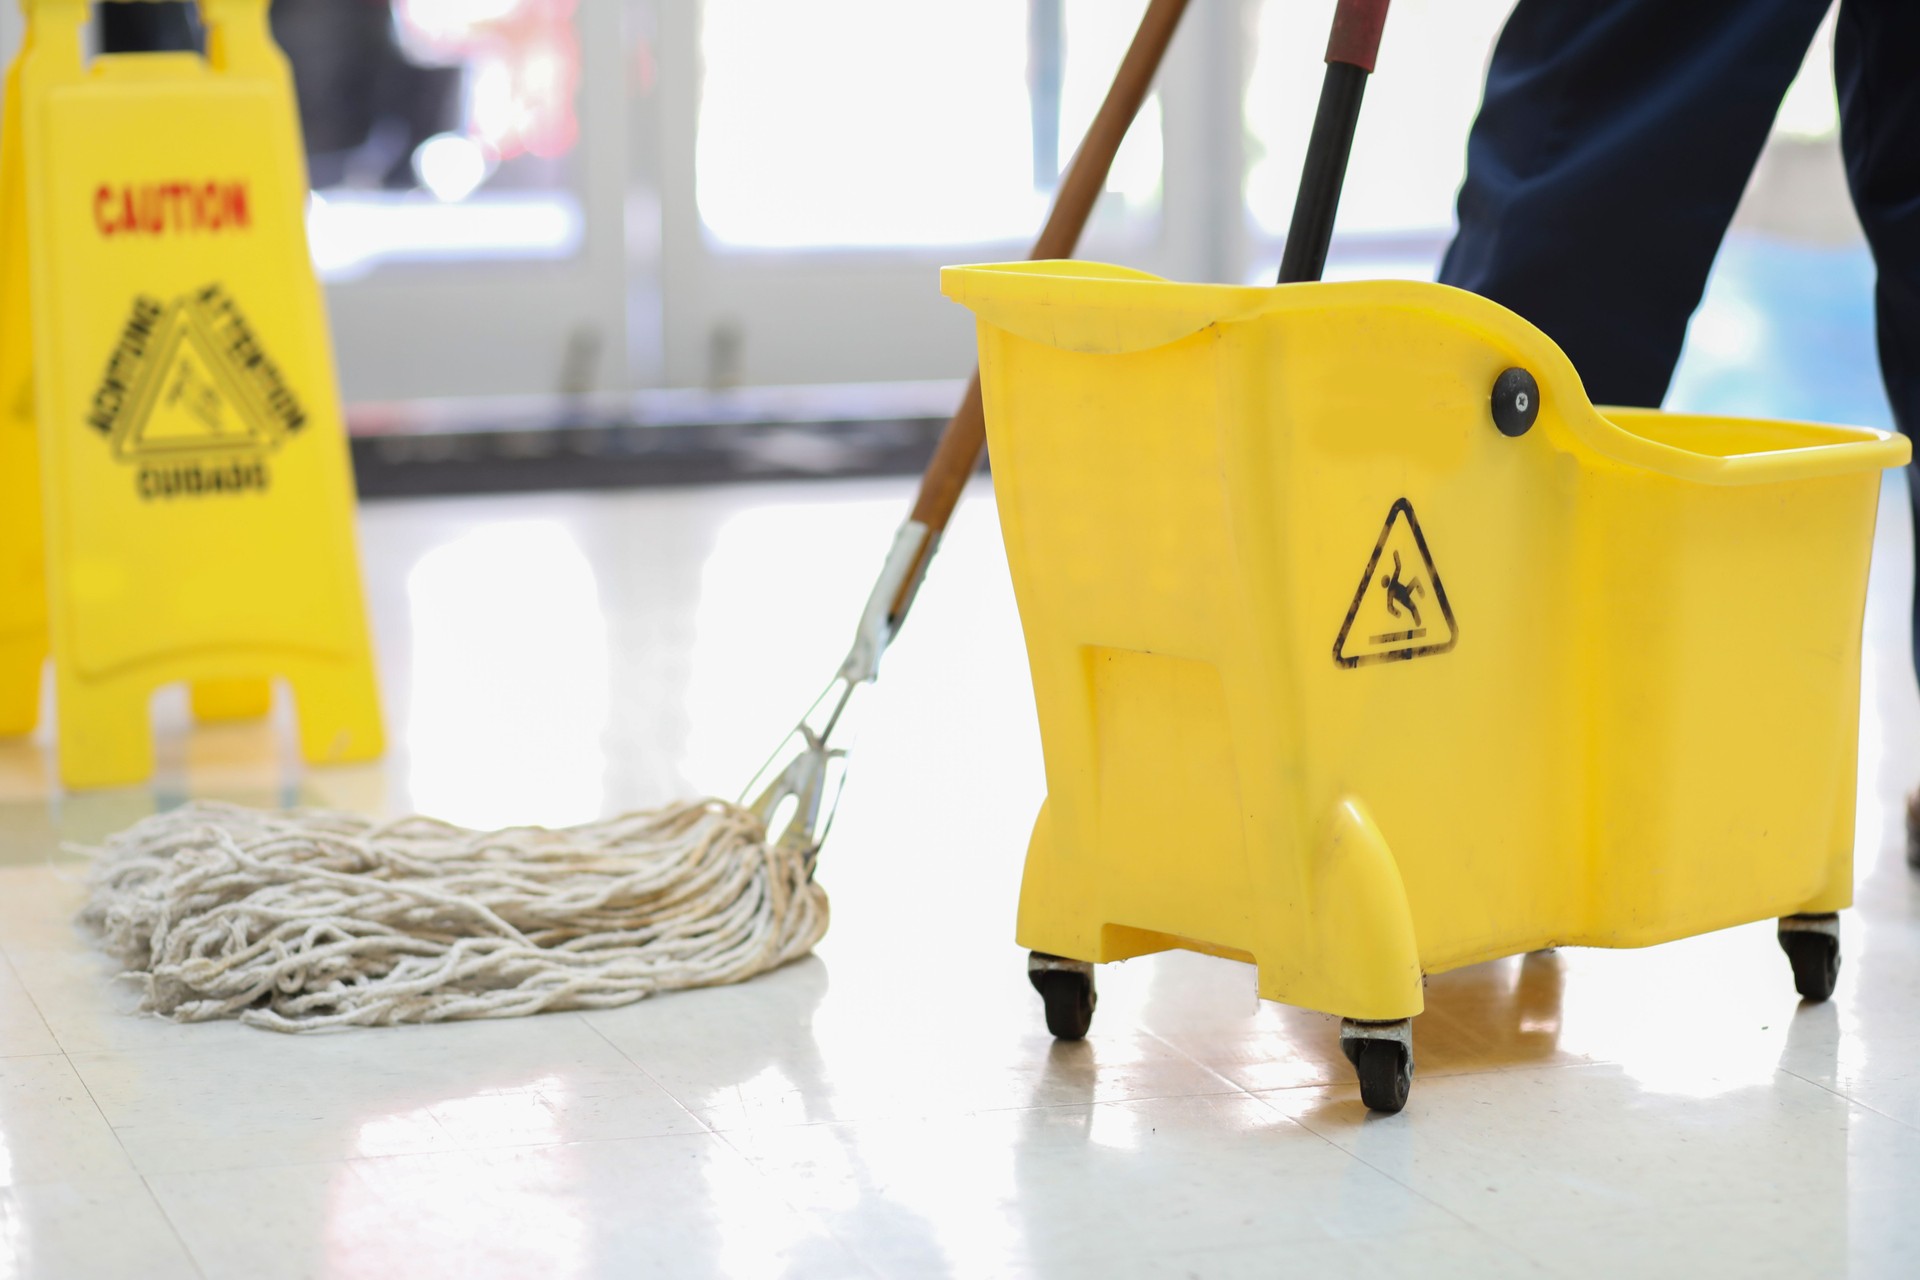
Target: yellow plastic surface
{"type": "Point", "coordinates": [164, 327]}
{"type": "Point", "coordinates": [23, 590]}
{"type": "Point", "coordinates": [1627, 711]}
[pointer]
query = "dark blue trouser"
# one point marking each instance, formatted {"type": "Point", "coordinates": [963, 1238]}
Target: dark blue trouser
{"type": "Point", "coordinates": [1614, 142]}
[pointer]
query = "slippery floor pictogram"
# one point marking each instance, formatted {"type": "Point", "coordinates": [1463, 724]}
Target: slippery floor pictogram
{"type": "Point", "coordinates": [1401, 609]}
{"type": "Point", "coordinates": [189, 377]}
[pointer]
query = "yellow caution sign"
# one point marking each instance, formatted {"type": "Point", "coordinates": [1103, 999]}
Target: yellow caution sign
{"type": "Point", "coordinates": [164, 329]}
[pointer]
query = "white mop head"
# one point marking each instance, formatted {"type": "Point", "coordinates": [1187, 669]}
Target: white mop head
{"type": "Point", "coordinates": [309, 919]}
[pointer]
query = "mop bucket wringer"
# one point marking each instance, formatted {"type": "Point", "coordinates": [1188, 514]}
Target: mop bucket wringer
{"type": "Point", "coordinates": [1364, 647]}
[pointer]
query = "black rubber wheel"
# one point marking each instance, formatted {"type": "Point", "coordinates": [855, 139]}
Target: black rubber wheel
{"type": "Point", "coordinates": [1816, 962]}
{"type": "Point", "coordinates": [1069, 999]}
{"type": "Point", "coordinates": [1385, 1068]}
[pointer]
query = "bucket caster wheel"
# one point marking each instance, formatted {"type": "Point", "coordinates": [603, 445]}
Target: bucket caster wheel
{"type": "Point", "coordinates": [1382, 1056]}
{"type": "Point", "coordinates": [1812, 944]}
{"type": "Point", "coordinates": [1066, 986]}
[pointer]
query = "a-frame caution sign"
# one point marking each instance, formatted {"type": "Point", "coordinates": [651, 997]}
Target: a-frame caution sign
{"type": "Point", "coordinates": [176, 499]}
{"type": "Point", "coordinates": [1400, 609]}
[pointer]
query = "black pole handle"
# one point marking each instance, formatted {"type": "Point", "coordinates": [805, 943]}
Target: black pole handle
{"type": "Point", "coordinates": [1351, 50]}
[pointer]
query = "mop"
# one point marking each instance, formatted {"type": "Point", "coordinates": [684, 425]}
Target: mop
{"type": "Point", "coordinates": [309, 919]}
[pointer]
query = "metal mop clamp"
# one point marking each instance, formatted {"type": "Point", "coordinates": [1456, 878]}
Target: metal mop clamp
{"type": "Point", "coordinates": [798, 788]}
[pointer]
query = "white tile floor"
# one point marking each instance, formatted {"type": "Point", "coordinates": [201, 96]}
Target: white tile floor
{"type": "Point", "coordinates": [893, 1106]}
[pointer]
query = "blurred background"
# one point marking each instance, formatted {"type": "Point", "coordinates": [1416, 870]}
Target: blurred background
{"type": "Point", "coordinates": [641, 241]}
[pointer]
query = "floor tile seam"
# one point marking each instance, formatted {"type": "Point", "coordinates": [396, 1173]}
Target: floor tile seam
{"type": "Point", "coordinates": [471, 1148]}
{"type": "Point", "coordinates": [897, 1117]}
{"type": "Point", "coordinates": [186, 1249]}
{"type": "Point", "coordinates": [1304, 1127]}
{"type": "Point", "coordinates": [1516, 1069]}
{"type": "Point", "coordinates": [652, 1079]}
{"type": "Point", "coordinates": [439, 1126]}
{"type": "Point", "coordinates": [454, 1147]}
{"type": "Point", "coordinates": [1275, 1239]}
{"type": "Point", "coordinates": [1231, 1089]}
{"type": "Point", "coordinates": [94, 1101]}
{"type": "Point", "coordinates": [1221, 1076]}
{"type": "Point", "coordinates": [1232, 1092]}
{"type": "Point", "coordinates": [1584, 1061]}
{"type": "Point", "coordinates": [1849, 1098]}
{"type": "Point", "coordinates": [1682, 1203]}
{"type": "Point", "coordinates": [96, 1047]}
{"type": "Point", "coordinates": [304, 1162]}
{"type": "Point", "coordinates": [1682, 1208]}
{"type": "Point", "coordinates": [1442, 1075]}
{"type": "Point", "coordinates": [542, 1144]}
{"type": "Point", "coordinates": [185, 1114]}
{"type": "Point", "coordinates": [874, 1265]}
{"type": "Point", "coordinates": [33, 1002]}
{"type": "Point", "coordinates": [101, 1050]}
{"type": "Point", "coordinates": [1411, 1190]}
{"type": "Point", "coordinates": [1475, 1230]}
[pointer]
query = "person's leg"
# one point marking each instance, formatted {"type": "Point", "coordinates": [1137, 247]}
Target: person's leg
{"type": "Point", "coordinates": [1874, 47]}
{"type": "Point", "coordinates": [1614, 141]}
{"type": "Point", "coordinates": [1876, 52]}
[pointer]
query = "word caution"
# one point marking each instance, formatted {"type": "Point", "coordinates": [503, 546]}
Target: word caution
{"type": "Point", "coordinates": [170, 208]}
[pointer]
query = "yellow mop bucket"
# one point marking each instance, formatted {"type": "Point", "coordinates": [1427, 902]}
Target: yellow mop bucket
{"type": "Point", "coordinates": [1365, 647]}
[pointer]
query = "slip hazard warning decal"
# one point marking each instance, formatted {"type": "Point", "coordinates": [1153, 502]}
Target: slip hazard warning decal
{"type": "Point", "coordinates": [191, 401]}
{"type": "Point", "coordinates": [1400, 610]}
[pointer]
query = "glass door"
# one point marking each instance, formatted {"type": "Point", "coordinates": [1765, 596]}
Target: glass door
{"type": "Point", "coordinates": [467, 164]}
{"type": "Point", "coordinates": [820, 162]}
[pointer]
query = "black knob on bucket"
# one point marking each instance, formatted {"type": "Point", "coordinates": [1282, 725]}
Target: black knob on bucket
{"type": "Point", "coordinates": [1516, 402]}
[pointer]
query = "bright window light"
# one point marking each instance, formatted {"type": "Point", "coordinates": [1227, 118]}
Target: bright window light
{"type": "Point", "coordinates": [873, 123]}
{"type": "Point", "coordinates": [508, 708]}
{"type": "Point", "coordinates": [350, 233]}
{"type": "Point", "coordinates": [1410, 153]}
{"type": "Point", "coordinates": [450, 165]}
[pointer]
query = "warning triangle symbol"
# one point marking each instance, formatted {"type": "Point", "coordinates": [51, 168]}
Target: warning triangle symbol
{"type": "Point", "coordinates": [1400, 610]}
{"type": "Point", "coordinates": [186, 400]}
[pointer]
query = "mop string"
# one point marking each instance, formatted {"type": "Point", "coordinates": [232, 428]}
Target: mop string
{"type": "Point", "coordinates": [310, 919]}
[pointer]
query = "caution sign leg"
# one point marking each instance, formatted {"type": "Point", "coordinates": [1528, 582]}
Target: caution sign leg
{"type": "Point", "coordinates": [338, 708]}
{"type": "Point", "coordinates": [104, 736]}
{"type": "Point", "coordinates": [21, 661]}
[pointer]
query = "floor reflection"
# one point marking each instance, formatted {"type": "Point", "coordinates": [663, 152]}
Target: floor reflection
{"type": "Point", "coordinates": [508, 691]}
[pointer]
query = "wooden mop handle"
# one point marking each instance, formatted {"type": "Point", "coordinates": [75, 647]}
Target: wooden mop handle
{"type": "Point", "coordinates": [958, 452]}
